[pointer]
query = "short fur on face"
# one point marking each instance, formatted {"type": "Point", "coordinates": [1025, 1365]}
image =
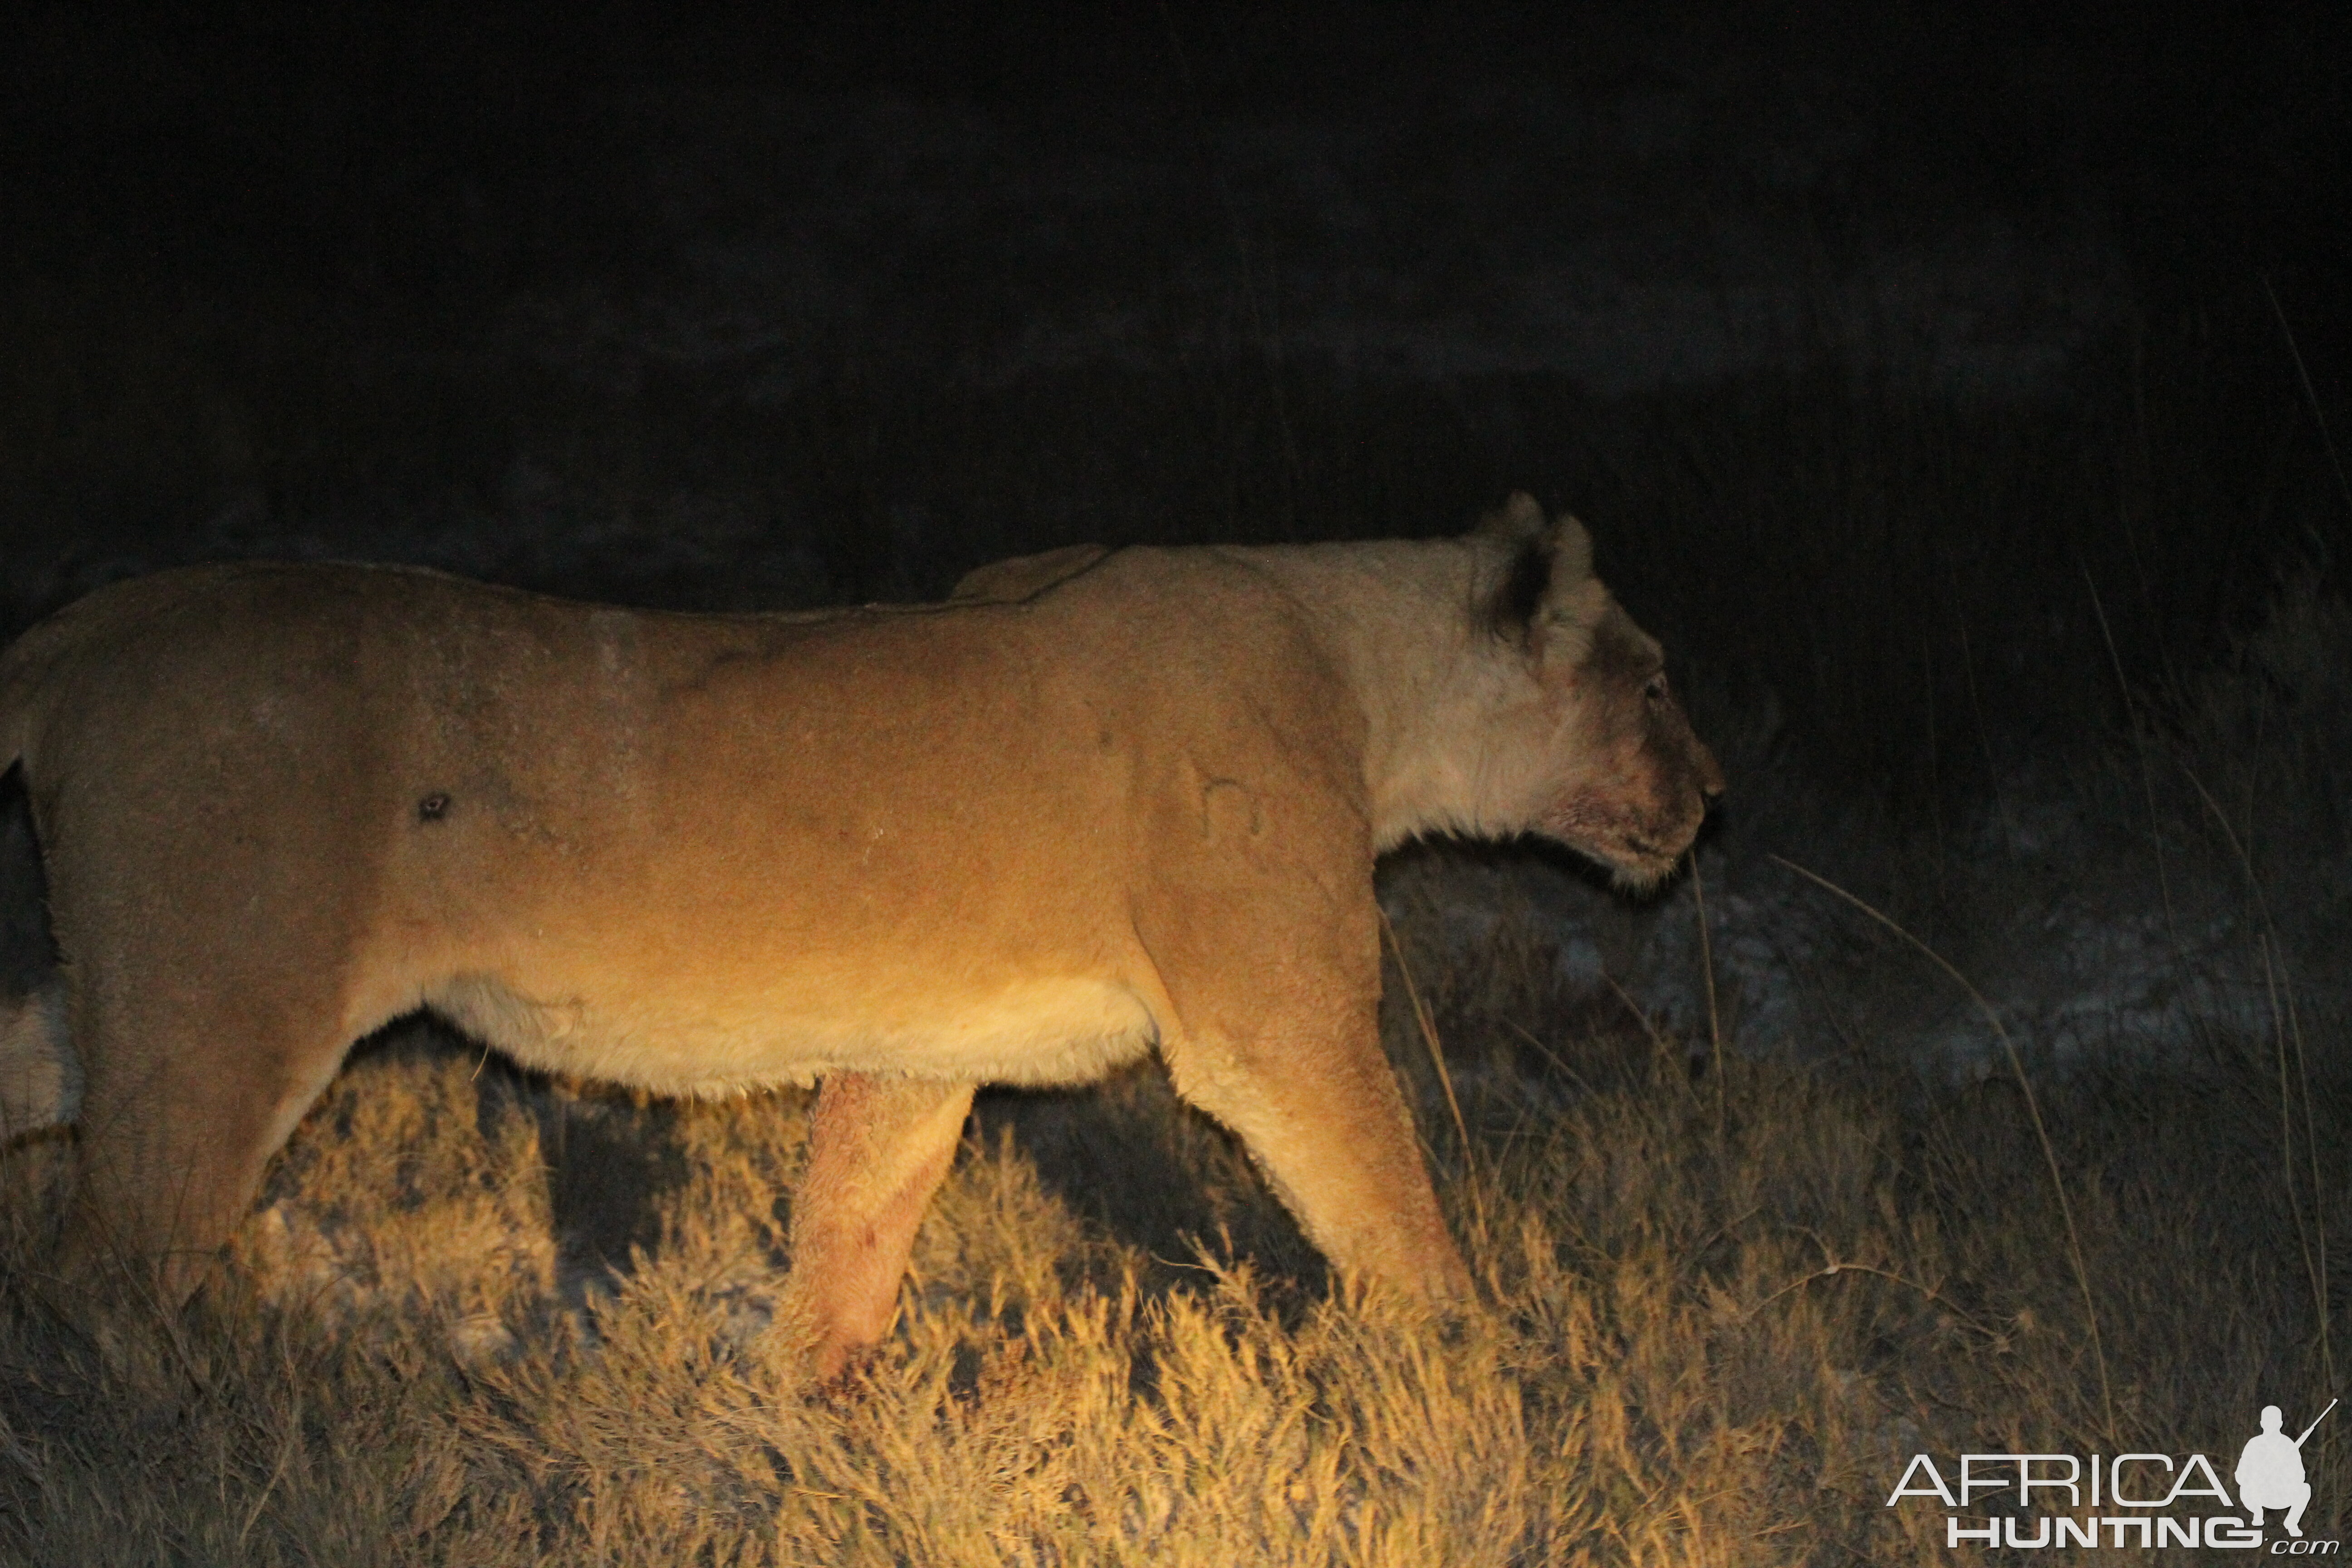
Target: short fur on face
{"type": "Point", "coordinates": [1638, 801]}
{"type": "Point", "coordinates": [1556, 716]}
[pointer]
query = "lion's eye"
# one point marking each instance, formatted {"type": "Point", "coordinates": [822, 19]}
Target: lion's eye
{"type": "Point", "coordinates": [1656, 688]}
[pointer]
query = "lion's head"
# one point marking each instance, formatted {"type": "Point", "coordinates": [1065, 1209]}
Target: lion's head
{"type": "Point", "coordinates": [1593, 749]}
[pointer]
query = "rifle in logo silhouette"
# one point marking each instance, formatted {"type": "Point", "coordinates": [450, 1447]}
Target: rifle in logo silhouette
{"type": "Point", "coordinates": [2269, 1472]}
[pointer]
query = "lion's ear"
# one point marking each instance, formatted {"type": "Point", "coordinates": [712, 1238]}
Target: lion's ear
{"type": "Point", "coordinates": [1547, 579]}
{"type": "Point", "coordinates": [1520, 518]}
{"type": "Point", "coordinates": [1562, 545]}
{"type": "Point", "coordinates": [1571, 558]}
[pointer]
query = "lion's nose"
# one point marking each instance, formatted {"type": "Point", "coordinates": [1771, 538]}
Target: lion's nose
{"type": "Point", "coordinates": [1711, 782]}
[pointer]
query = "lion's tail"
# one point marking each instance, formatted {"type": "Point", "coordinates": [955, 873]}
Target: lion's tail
{"type": "Point", "coordinates": [40, 1078]}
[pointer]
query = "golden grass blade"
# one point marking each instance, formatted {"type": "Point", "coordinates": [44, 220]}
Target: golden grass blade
{"type": "Point", "coordinates": [1707, 972]}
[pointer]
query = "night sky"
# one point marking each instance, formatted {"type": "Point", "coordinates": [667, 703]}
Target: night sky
{"type": "Point", "coordinates": [460, 154]}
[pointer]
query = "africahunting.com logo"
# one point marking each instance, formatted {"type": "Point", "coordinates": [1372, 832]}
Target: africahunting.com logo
{"type": "Point", "coordinates": [2133, 1500]}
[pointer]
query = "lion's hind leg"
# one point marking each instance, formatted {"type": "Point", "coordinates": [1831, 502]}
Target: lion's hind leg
{"type": "Point", "coordinates": [187, 1095]}
{"type": "Point", "coordinates": [877, 1153]}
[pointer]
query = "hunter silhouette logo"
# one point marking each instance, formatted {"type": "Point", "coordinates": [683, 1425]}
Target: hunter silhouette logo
{"type": "Point", "coordinates": [2269, 1472]}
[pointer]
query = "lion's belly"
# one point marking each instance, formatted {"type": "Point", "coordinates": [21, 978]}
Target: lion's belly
{"type": "Point", "coordinates": [1044, 1031]}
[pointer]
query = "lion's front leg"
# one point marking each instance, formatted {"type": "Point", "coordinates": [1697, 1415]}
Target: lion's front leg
{"type": "Point", "coordinates": [1274, 1032]}
{"type": "Point", "coordinates": [878, 1151]}
{"type": "Point", "coordinates": [1321, 1114]}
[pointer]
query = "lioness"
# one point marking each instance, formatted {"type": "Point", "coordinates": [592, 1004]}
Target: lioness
{"type": "Point", "coordinates": [1101, 802]}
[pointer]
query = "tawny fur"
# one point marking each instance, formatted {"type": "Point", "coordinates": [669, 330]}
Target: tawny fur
{"type": "Point", "coordinates": [1098, 803]}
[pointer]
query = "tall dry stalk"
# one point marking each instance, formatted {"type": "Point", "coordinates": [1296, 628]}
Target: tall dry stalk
{"type": "Point", "coordinates": [2310, 396]}
{"type": "Point", "coordinates": [1707, 971]}
{"type": "Point", "coordinates": [2032, 1106]}
{"type": "Point", "coordinates": [1428, 1028]}
{"type": "Point", "coordinates": [2139, 750]}
{"type": "Point", "coordinates": [2287, 1025]}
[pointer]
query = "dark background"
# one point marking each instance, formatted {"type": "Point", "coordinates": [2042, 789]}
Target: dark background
{"type": "Point", "coordinates": [1948, 384]}
{"type": "Point", "coordinates": [1883, 346]}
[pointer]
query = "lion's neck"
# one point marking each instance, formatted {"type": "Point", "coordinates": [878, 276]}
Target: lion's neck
{"type": "Point", "coordinates": [1396, 618]}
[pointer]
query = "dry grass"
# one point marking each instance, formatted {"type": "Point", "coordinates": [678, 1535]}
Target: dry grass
{"type": "Point", "coordinates": [1706, 1344]}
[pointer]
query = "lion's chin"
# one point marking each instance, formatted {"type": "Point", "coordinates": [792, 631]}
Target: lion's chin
{"type": "Point", "coordinates": [1637, 867]}
{"type": "Point", "coordinates": [1639, 854]}
{"type": "Point", "coordinates": [1642, 859]}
